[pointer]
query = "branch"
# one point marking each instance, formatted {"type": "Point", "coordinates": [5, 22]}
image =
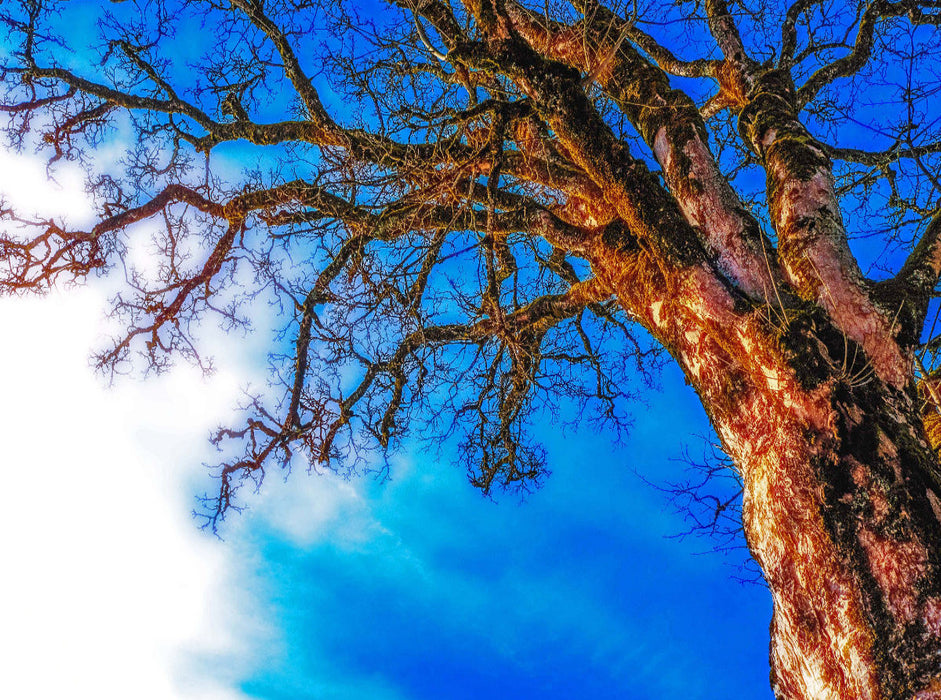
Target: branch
{"type": "Point", "coordinates": [254, 10]}
{"type": "Point", "coordinates": [789, 29]}
{"type": "Point", "coordinates": [911, 290]}
{"type": "Point", "coordinates": [518, 333]}
{"type": "Point", "coordinates": [163, 313]}
{"type": "Point", "coordinates": [862, 49]}
{"type": "Point", "coordinates": [667, 61]}
{"type": "Point", "coordinates": [923, 266]}
{"type": "Point", "coordinates": [882, 158]}
{"type": "Point", "coordinates": [725, 32]}
{"type": "Point", "coordinates": [322, 131]}
{"type": "Point", "coordinates": [813, 244]}
{"type": "Point", "coordinates": [79, 252]}
{"type": "Point", "coordinates": [673, 127]}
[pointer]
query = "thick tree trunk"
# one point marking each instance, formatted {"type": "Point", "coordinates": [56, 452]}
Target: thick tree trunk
{"type": "Point", "coordinates": [842, 505]}
{"type": "Point", "coordinates": [842, 514]}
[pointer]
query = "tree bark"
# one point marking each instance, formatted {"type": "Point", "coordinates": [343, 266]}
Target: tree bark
{"type": "Point", "coordinates": [842, 503]}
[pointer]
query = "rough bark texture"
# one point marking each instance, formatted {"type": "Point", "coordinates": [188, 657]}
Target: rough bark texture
{"type": "Point", "coordinates": [842, 505]}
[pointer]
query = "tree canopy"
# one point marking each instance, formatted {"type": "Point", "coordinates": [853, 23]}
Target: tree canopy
{"type": "Point", "coordinates": [424, 224]}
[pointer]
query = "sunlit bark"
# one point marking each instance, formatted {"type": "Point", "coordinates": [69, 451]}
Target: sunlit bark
{"type": "Point", "coordinates": [841, 506]}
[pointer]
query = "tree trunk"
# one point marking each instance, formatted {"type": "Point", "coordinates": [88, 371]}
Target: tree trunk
{"type": "Point", "coordinates": [842, 516]}
{"type": "Point", "coordinates": [842, 504]}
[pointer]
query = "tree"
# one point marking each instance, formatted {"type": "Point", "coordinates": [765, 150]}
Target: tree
{"type": "Point", "coordinates": [468, 211]}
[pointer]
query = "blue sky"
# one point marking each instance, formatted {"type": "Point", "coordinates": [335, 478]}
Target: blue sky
{"type": "Point", "coordinates": [575, 593]}
{"type": "Point", "coordinates": [412, 588]}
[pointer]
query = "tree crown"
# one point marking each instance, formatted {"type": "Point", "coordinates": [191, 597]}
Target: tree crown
{"type": "Point", "coordinates": [437, 185]}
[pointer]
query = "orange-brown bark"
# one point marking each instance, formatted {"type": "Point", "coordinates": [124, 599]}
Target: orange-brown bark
{"type": "Point", "coordinates": [839, 499]}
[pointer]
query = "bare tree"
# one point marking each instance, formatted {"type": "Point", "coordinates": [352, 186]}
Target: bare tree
{"type": "Point", "coordinates": [470, 211]}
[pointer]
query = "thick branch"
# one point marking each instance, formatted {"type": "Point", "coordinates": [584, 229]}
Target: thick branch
{"type": "Point", "coordinates": [812, 239]}
{"type": "Point", "coordinates": [913, 287]}
{"type": "Point", "coordinates": [725, 31]}
{"type": "Point", "coordinates": [674, 129]}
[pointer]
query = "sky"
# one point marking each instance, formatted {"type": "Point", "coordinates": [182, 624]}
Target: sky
{"type": "Point", "coordinates": [408, 589]}
{"type": "Point", "coordinates": [412, 588]}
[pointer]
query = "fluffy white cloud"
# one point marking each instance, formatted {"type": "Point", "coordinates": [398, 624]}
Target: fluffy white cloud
{"type": "Point", "coordinates": [109, 590]}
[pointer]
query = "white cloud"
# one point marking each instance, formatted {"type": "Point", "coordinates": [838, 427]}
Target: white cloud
{"type": "Point", "coordinates": [26, 182]}
{"type": "Point", "coordinates": [109, 589]}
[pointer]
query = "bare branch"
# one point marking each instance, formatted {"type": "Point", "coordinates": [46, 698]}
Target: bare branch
{"type": "Point", "coordinates": [875, 12]}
